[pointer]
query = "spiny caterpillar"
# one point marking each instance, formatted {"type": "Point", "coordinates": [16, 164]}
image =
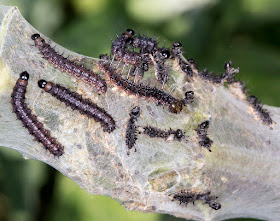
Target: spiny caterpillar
{"type": "Point", "coordinates": [30, 120]}
{"type": "Point", "coordinates": [187, 196]}
{"type": "Point", "coordinates": [70, 67]}
{"type": "Point", "coordinates": [177, 53]}
{"type": "Point", "coordinates": [167, 135]}
{"type": "Point", "coordinates": [262, 113]}
{"type": "Point", "coordinates": [131, 135]}
{"type": "Point", "coordinates": [201, 131]}
{"type": "Point", "coordinates": [159, 57]}
{"type": "Point", "coordinates": [76, 102]}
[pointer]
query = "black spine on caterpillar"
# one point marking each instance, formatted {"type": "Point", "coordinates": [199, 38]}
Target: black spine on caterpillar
{"type": "Point", "coordinates": [68, 66]}
{"type": "Point", "coordinates": [30, 120]}
{"type": "Point", "coordinates": [174, 105]}
{"type": "Point", "coordinates": [76, 102]}
{"type": "Point", "coordinates": [263, 114]}
{"type": "Point", "coordinates": [201, 131]}
{"type": "Point", "coordinates": [156, 132]}
{"type": "Point", "coordinates": [186, 196]}
{"type": "Point", "coordinates": [131, 135]}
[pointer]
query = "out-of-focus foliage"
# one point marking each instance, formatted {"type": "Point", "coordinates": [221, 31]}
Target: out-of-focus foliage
{"type": "Point", "coordinates": [212, 32]}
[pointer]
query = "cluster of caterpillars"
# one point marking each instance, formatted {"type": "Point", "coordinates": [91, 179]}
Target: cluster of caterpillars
{"type": "Point", "coordinates": [139, 62]}
{"type": "Point", "coordinates": [169, 135]}
{"type": "Point", "coordinates": [132, 131]}
{"type": "Point", "coordinates": [29, 120]}
{"type": "Point", "coordinates": [149, 54]}
{"type": "Point", "coordinates": [188, 196]}
{"type": "Point", "coordinates": [72, 99]}
{"type": "Point", "coordinates": [123, 50]}
{"type": "Point", "coordinates": [190, 69]}
{"type": "Point", "coordinates": [69, 98]}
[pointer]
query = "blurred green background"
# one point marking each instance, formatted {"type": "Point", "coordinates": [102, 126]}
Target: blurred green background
{"type": "Point", "coordinates": [212, 32]}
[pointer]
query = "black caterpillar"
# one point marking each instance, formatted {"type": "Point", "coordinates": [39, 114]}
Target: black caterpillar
{"type": "Point", "coordinates": [131, 135]}
{"type": "Point", "coordinates": [177, 52]}
{"type": "Point", "coordinates": [262, 113]}
{"type": "Point", "coordinates": [201, 131]}
{"type": "Point", "coordinates": [30, 120]}
{"type": "Point", "coordinates": [155, 132]}
{"type": "Point", "coordinates": [159, 58]}
{"type": "Point", "coordinates": [70, 67]}
{"type": "Point", "coordinates": [76, 102]}
{"type": "Point", "coordinates": [139, 90]}
{"type": "Point", "coordinates": [187, 196]}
